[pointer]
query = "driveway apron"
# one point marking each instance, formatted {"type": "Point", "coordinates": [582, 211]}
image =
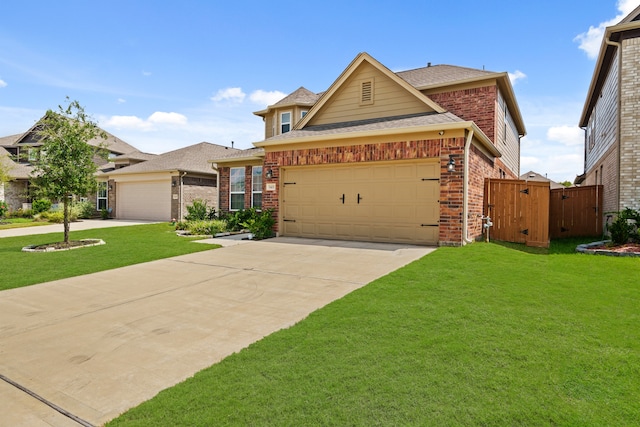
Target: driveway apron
{"type": "Point", "coordinates": [82, 350]}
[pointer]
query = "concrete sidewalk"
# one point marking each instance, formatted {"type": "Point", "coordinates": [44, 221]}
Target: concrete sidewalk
{"type": "Point", "coordinates": [97, 345]}
{"type": "Point", "coordinates": [84, 224]}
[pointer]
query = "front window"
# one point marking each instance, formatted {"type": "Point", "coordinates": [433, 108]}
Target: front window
{"type": "Point", "coordinates": [285, 122]}
{"type": "Point", "coordinates": [101, 200]}
{"type": "Point", "coordinates": [303, 113]}
{"type": "Point", "coordinates": [256, 187]}
{"type": "Point", "coordinates": [236, 189]}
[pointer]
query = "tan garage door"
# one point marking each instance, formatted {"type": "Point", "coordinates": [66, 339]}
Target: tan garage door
{"type": "Point", "coordinates": [386, 202]}
{"type": "Point", "coordinates": [147, 200]}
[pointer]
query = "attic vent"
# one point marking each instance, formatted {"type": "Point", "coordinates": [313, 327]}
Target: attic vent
{"type": "Point", "coordinates": [366, 92]}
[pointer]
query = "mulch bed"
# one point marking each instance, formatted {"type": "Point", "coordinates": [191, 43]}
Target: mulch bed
{"type": "Point", "coordinates": [627, 248]}
{"type": "Point", "coordinates": [62, 246]}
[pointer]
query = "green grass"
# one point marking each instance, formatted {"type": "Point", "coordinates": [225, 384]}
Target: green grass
{"type": "Point", "coordinates": [485, 335]}
{"type": "Point", "coordinates": [124, 246]}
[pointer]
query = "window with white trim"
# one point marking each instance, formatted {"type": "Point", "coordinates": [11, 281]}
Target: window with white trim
{"type": "Point", "coordinates": [236, 189]}
{"type": "Point", "coordinates": [256, 187]}
{"type": "Point", "coordinates": [101, 196]}
{"type": "Point", "coordinates": [303, 113]}
{"type": "Point", "coordinates": [285, 122]}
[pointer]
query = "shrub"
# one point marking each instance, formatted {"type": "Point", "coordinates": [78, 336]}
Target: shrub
{"type": "Point", "coordinates": [182, 225]}
{"type": "Point", "coordinates": [4, 208]}
{"type": "Point", "coordinates": [206, 227]}
{"type": "Point", "coordinates": [625, 227]}
{"type": "Point", "coordinates": [41, 205]}
{"type": "Point", "coordinates": [235, 220]}
{"type": "Point", "coordinates": [198, 211]}
{"type": "Point", "coordinates": [260, 224]}
{"type": "Point", "coordinates": [85, 209]}
{"type": "Point", "coordinates": [20, 213]}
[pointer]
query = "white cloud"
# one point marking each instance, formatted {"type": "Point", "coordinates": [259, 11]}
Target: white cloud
{"type": "Point", "coordinates": [3, 83]}
{"type": "Point", "coordinates": [591, 39]}
{"type": "Point", "coordinates": [128, 122]}
{"type": "Point", "coordinates": [266, 97]}
{"type": "Point", "coordinates": [568, 135]}
{"type": "Point", "coordinates": [160, 117]}
{"type": "Point", "coordinates": [146, 73]}
{"type": "Point", "coordinates": [515, 76]}
{"type": "Point", "coordinates": [233, 94]}
{"type": "Point", "coordinates": [121, 100]}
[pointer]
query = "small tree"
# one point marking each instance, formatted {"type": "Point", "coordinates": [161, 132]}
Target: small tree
{"type": "Point", "coordinates": [65, 165]}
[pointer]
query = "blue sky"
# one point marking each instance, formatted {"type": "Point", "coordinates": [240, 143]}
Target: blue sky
{"type": "Point", "coordinates": [165, 74]}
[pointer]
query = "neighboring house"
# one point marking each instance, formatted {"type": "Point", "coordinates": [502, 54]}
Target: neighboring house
{"type": "Point", "coordinates": [381, 156]}
{"type": "Point", "coordinates": [534, 176]}
{"type": "Point", "coordinates": [159, 188]}
{"type": "Point", "coordinates": [611, 118]}
{"type": "Point", "coordinates": [20, 152]}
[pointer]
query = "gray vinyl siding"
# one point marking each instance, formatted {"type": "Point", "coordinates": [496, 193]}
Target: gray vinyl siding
{"type": "Point", "coordinates": [604, 119]}
{"type": "Point", "coordinates": [507, 138]}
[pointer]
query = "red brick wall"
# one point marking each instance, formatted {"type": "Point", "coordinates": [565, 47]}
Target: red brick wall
{"type": "Point", "coordinates": [477, 105]}
{"type": "Point", "coordinates": [451, 183]}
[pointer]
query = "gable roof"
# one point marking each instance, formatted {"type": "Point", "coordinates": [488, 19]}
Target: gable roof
{"type": "Point", "coordinates": [535, 176]}
{"type": "Point", "coordinates": [439, 75]}
{"type": "Point", "coordinates": [342, 79]}
{"type": "Point", "coordinates": [9, 140]}
{"type": "Point", "coordinates": [301, 96]}
{"type": "Point", "coordinates": [193, 158]}
{"type": "Point", "coordinates": [14, 170]}
{"type": "Point", "coordinates": [254, 153]}
{"type": "Point", "coordinates": [608, 47]}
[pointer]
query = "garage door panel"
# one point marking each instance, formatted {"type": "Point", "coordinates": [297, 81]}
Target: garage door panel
{"type": "Point", "coordinates": [394, 201]}
{"type": "Point", "coordinates": [145, 200]}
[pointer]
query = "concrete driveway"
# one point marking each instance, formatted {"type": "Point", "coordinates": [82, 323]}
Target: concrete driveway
{"type": "Point", "coordinates": [80, 351]}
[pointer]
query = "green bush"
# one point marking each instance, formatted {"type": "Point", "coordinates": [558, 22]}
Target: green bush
{"type": "Point", "coordinates": [206, 227]}
{"type": "Point", "coordinates": [57, 215]}
{"type": "Point", "coordinates": [260, 224]}
{"type": "Point", "coordinates": [41, 205]}
{"type": "Point", "coordinates": [182, 225]}
{"type": "Point", "coordinates": [198, 211]}
{"type": "Point", "coordinates": [20, 213]}
{"type": "Point", "coordinates": [235, 220]}
{"type": "Point", "coordinates": [625, 227]}
{"type": "Point", "coordinates": [4, 209]}
{"type": "Point", "coordinates": [85, 209]}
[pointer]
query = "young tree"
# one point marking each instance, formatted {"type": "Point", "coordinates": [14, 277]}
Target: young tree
{"type": "Point", "coordinates": [65, 166]}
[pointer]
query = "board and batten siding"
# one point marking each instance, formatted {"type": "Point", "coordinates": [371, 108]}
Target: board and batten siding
{"type": "Point", "coordinates": [630, 125]}
{"type": "Point", "coordinates": [389, 99]}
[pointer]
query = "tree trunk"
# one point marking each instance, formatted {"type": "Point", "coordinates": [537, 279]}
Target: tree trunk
{"type": "Point", "coordinates": [65, 205]}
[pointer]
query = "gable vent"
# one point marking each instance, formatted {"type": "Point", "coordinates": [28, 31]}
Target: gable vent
{"type": "Point", "coordinates": [366, 92]}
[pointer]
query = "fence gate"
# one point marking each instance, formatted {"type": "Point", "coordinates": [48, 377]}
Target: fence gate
{"type": "Point", "coordinates": [519, 211]}
{"type": "Point", "coordinates": [576, 212]}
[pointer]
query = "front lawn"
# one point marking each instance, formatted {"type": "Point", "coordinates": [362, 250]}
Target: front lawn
{"type": "Point", "coordinates": [486, 335]}
{"type": "Point", "coordinates": [124, 246]}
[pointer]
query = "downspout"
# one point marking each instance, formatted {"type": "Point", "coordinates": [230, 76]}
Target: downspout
{"type": "Point", "coordinates": [465, 189]}
{"type": "Point", "coordinates": [618, 46]}
{"type": "Point", "coordinates": [181, 195]}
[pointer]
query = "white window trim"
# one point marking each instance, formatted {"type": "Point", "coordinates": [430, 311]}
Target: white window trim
{"type": "Point", "coordinates": [286, 123]}
{"type": "Point", "coordinates": [244, 173]}
{"type": "Point", "coordinates": [106, 195]}
{"type": "Point", "coordinates": [303, 113]}
{"type": "Point", "coordinates": [252, 189]}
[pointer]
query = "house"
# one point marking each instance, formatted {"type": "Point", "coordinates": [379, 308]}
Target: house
{"type": "Point", "coordinates": [381, 156]}
{"type": "Point", "coordinates": [18, 152]}
{"type": "Point", "coordinates": [160, 187]}
{"type": "Point", "coordinates": [534, 176]}
{"type": "Point", "coordinates": [611, 118]}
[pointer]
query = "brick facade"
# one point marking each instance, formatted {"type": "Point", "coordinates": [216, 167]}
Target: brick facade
{"type": "Point", "coordinates": [476, 105]}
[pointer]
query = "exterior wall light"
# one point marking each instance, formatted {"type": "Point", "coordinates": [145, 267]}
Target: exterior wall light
{"type": "Point", "coordinates": [269, 173]}
{"type": "Point", "coordinates": [451, 166]}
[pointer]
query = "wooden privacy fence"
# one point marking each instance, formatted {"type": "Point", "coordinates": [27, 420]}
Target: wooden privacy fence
{"type": "Point", "coordinates": [530, 212]}
{"type": "Point", "coordinates": [576, 212]}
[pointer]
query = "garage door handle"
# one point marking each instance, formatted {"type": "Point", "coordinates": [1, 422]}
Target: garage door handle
{"type": "Point", "coordinates": [341, 198]}
{"type": "Point", "coordinates": [359, 198]}
{"type": "Point", "coordinates": [289, 220]}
